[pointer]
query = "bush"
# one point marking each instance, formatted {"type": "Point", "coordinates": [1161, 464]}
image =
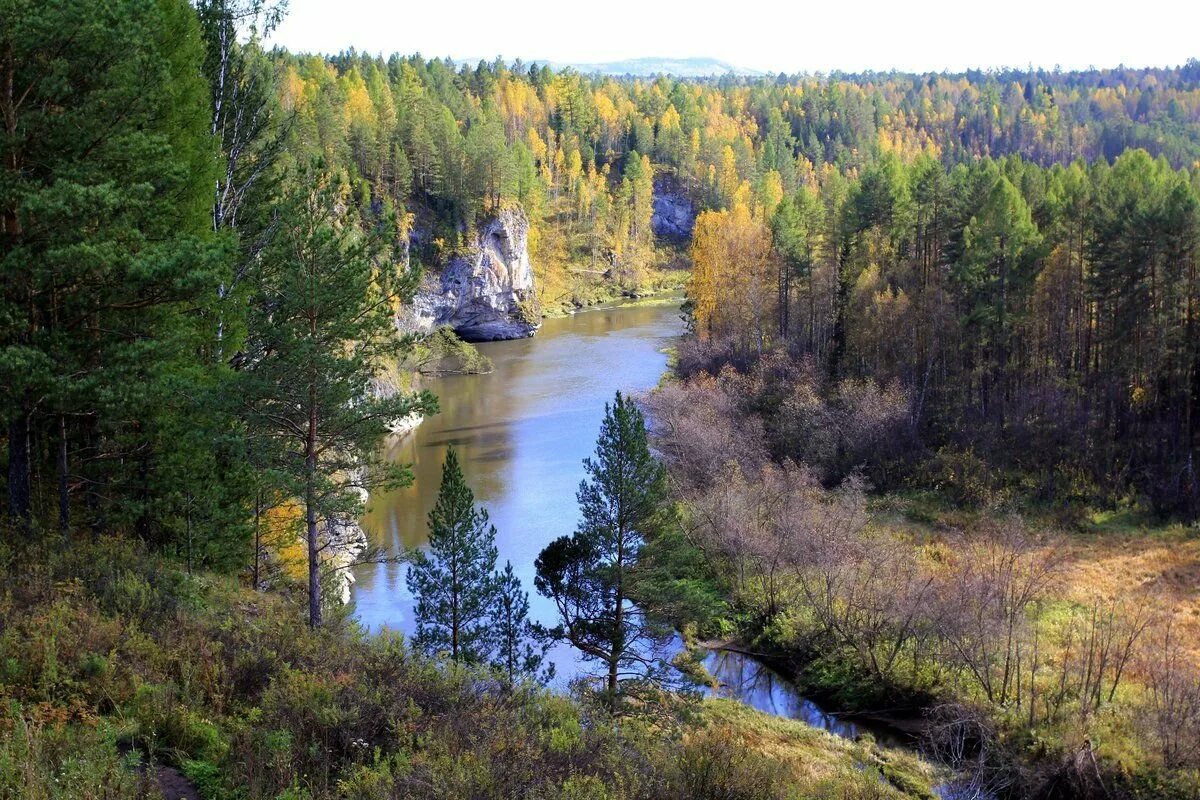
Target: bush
{"type": "Point", "coordinates": [233, 688]}
{"type": "Point", "coordinates": [962, 477]}
{"type": "Point", "coordinates": [716, 764]}
{"type": "Point", "coordinates": [47, 759]}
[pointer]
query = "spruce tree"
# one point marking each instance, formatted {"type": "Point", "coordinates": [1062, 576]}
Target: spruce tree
{"type": "Point", "coordinates": [589, 574]}
{"type": "Point", "coordinates": [454, 582]}
{"type": "Point", "coordinates": [996, 275]}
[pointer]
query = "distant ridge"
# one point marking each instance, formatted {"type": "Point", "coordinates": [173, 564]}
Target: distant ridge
{"type": "Point", "coordinates": [700, 67]}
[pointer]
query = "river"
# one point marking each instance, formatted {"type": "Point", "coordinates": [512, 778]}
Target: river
{"type": "Point", "coordinates": [522, 432]}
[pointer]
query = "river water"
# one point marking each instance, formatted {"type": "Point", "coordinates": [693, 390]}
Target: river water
{"type": "Point", "coordinates": [522, 432]}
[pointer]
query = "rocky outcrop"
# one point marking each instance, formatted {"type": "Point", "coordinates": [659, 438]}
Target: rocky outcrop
{"type": "Point", "coordinates": [344, 541]}
{"type": "Point", "coordinates": [387, 385]}
{"type": "Point", "coordinates": [484, 293]}
{"type": "Point", "coordinates": [674, 215]}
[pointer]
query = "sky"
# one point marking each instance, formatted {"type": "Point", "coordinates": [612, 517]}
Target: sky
{"type": "Point", "coordinates": [768, 35]}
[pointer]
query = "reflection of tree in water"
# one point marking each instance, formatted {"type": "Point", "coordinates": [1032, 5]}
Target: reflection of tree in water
{"type": "Point", "coordinates": [744, 678]}
{"type": "Point", "coordinates": [749, 681]}
{"type": "Point", "coordinates": [521, 433]}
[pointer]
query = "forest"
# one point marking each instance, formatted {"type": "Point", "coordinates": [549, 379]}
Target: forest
{"type": "Point", "coordinates": [1035, 232]}
{"type": "Point", "coordinates": [929, 441]}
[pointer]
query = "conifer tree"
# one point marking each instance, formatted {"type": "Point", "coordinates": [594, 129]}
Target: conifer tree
{"type": "Point", "coordinates": [518, 655]}
{"type": "Point", "coordinates": [106, 258]}
{"type": "Point", "coordinates": [454, 582]}
{"type": "Point", "coordinates": [589, 574]}
{"type": "Point", "coordinates": [321, 329]}
{"type": "Point", "coordinates": [795, 233]}
{"type": "Point", "coordinates": [996, 272]}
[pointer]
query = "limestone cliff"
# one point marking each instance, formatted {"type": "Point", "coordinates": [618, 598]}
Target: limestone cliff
{"type": "Point", "coordinates": [485, 292]}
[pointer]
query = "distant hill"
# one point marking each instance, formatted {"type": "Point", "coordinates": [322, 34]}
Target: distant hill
{"type": "Point", "coordinates": [679, 67]}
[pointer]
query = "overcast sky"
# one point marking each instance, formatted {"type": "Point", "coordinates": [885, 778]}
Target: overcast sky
{"type": "Point", "coordinates": [797, 35]}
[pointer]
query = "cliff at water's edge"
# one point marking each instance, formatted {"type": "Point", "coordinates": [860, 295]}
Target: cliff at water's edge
{"type": "Point", "coordinates": [486, 292]}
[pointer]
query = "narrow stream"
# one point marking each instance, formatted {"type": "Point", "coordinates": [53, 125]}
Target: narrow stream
{"type": "Point", "coordinates": [747, 679]}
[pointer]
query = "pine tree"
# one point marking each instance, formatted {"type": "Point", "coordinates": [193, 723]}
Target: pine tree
{"type": "Point", "coordinates": [589, 574]}
{"type": "Point", "coordinates": [107, 263]}
{"type": "Point", "coordinates": [454, 582]}
{"type": "Point", "coordinates": [518, 656]}
{"type": "Point", "coordinates": [321, 329]}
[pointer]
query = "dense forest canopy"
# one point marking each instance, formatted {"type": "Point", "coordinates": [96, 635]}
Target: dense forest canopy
{"type": "Point", "coordinates": [1033, 232]}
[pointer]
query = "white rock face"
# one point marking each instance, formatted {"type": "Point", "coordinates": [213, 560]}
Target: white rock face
{"type": "Point", "coordinates": [344, 541]}
{"type": "Point", "coordinates": [480, 293]}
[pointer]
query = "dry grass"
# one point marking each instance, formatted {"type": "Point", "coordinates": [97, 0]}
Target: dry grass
{"type": "Point", "coordinates": [812, 758]}
{"type": "Point", "coordinates": [1134, 562]}
{"type": "Point", "coordinates": [1156, 569]}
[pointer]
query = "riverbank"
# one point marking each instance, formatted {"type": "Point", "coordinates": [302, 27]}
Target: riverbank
{"type": "Point", "coordinates": [1039, 646]}
{"type": "Point", "coordinates": [117, 662]}
{"type": "Point", "coordinates": [1084, 618]}
{"type": "Point", "coordinates": [904, 725]}
{"type": "Point", "coordinates": [668, 288]}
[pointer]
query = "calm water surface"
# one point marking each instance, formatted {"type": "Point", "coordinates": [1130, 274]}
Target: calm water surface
{"type": "Point", "coordinates": [744, 678]}
{"type": "Point", "coordinates": [521, 433]}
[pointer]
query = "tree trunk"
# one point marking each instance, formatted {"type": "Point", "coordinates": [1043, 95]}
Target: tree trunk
{"type": "Point", "coordinates": [455, 605]}
{"type": "Point", "coordinates": [188, 527]}
{"type": "Point", "coordinates": [64, 489]}
{"type": "Point", "coordinates": [93, 475]}
{"type": "Point", "coordinates": [255, 574]}
{"type": "Point", "coordinates": [18, 467]}
{"type": "Point", "coordinates": [310, 503]}
{"type": "Point", "coordinates": [618, 626]}
{"type": "Point", "coordinates": [843, 288]}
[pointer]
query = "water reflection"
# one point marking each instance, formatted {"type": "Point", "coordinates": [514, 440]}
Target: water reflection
{"type": "Point", "coordinates": [746, 679]}
{"type": "Point", "coordinates": [521, 432]}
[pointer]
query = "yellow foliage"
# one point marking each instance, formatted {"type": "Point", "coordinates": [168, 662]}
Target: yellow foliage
{"type": "Point", "coordinates": [729, 181]}
{"type": "Point", "coordinates": [293, 92]}
{"type": "Point", "coordinates": [359, 107]}
{"type": "Point", "coordinates": [770, 194]}
{"type": "Point", "coordinates": [733, 275]}
{"type": "Point", "coordinates": [282, 525]}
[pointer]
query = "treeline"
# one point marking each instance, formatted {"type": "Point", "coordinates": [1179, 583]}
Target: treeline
{"type": "Point", "coordinates": [449, 147]}
{"type": "Point", "coordinates": [162, 171]}
{"type": "Point", "coordinates": [1041, 271]}
{"type": "Point", "coordinates": [449, 142]}
{"type": "Point", "coordinates": [1040, 319]}
{"type": "Point", "coordinates": [192, 313]}
{"type": "Point", "coordinates": [1027, 683]}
